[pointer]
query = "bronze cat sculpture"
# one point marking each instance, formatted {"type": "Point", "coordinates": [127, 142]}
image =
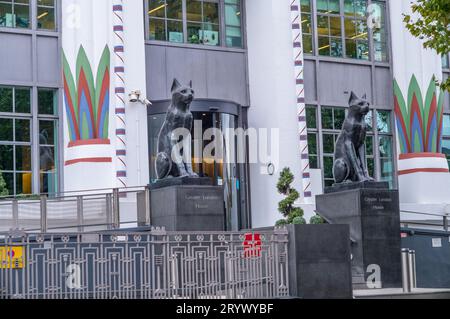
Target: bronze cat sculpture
{"type": "Point", "coordinates": [179, 116]}
{"type": "Point", "coordinates": [350, 162]}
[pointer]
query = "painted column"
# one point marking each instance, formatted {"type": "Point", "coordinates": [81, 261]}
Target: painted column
{"type": "Point", "coordinates": [423, 171]}
{"type": "Point", "coordinates": [300, 96]}
{"type": "Point", "coordinates": [86, 43]}
{"type": "Point", "coordinates": [120, 95]}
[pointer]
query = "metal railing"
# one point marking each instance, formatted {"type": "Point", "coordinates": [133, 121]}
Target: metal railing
{"type": "Point", "coordinates": [409, 275]}
{"type": "Point", "coordinates": [434, 221]}
{"type": "Point", "coordinates": [71, 211]}
{"type": "Point", "coordinates": [153, 265]}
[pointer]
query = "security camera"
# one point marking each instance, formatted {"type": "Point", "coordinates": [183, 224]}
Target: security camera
{"type": "Point", "coordinates": [134, 96]}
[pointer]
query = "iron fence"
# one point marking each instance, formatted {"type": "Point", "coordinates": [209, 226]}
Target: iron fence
{"type": "Point", "coordinates": [153, 265]}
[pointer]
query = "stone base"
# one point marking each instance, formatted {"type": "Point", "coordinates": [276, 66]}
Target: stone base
{"type": "Point", "coordinates": [319, 262]}
{"type": "Point", "coordinates": [187, 207]}
{"type": "Point", "coordinates": [359, 185]}
{"type": "Point", "coordinates": [373, 214]}
{"type": "Point", "coordinates": [182, 181]}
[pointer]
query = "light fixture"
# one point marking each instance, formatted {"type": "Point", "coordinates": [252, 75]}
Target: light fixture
{"type": "Point", "coordinates": [42, 15]}
{"type": "Point", "coordinates": [135, 97]}
{"type": "Point", "coordinates": [157, 8]}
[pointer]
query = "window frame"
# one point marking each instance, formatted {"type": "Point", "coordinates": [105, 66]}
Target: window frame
{"type": "Point", "coordinates": [320, 131]}
{"type": "Point", "coordinates": [371, 59]}
{"type": "Point", "coordinates": [222, 28]}
{"type": "Point", "coordinates": [33, 21]}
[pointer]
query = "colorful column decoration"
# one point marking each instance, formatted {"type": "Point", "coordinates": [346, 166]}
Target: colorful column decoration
{"type": "Point", "coordinates": [423, 172]}
{"type": "Point", "coordinates": [119, 72]}
{"type": "Point", "coordinates": [300, 91]}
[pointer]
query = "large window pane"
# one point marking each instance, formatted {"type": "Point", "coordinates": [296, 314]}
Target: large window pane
{"type": "Point", "coordinates": [386, 146]}
{"type": "Point", "coordinates": [47, 102]}
{"type": "Point", "coordinates": [311, 117]}
{"type": "Point", "coordinates": [23, 183]}
{"type": "Point", "coordinates": [175, 31]}
{"type": "Point", "coordinates": [174, 9]}
{"type": "Point", "coordinates": [446, 130]}
{"type": "Point", "coordinates": [6, 158]}
{"type": "Point", "coordinates": [46, 15]}
{"type": "Point", "coordinates": [23, 130]}
{"type": "Point", "coordinates": [233, 32]}
{"type": "Point", "coordinates": [6, 99]}
{"type": "Point", "coordinates": [22, 15]}
{"type": "Point", "coordinates": [384, 121]}
{"type": "Point", "coordinates": [22, 100]}
{"type": "Point", "coordinates": [327, 118]}
{"type": "Point", "coordinates": [23, 158]}
{"type": "Point", "coordinates": [6, 130]}
{"type": "Point", "coordinates": [158, 30]}
{"type": "Point", "coordinates": [157, 8]}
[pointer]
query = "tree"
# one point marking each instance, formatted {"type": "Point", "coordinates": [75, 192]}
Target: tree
{"type": "Point", "coordinates": [433, 26]}
{"type": "Point", "coordinates": [3, 187]}
{"type": "Point", "coordinates": [291, 214]}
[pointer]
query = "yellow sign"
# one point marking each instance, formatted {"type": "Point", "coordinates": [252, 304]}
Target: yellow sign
{"type": "Point", "coordinates": [12, 257]}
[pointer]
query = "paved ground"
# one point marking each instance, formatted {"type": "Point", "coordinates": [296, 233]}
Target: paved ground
{"type": "Point", "coordinates": [418, 293]}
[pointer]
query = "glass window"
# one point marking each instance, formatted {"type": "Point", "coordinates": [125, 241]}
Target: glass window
{"type": "Point", "coordinates": [47, 102]}
{"type": "Point", "coordinates": [356, 30]}
{"type": "Point", "coordinates": [445, 63]}
{"type": "Point", "coordinates": [202, 24]}
{"type": "Point", "coordinates": [16, 148]}
{"type": "Point", "coordinates": [233, 32]}
{"type": "Point", "coordinates": [307, 27]}
{"type": "Point", "coordinates": [379, 32]}
{"type": "Point", "coordinates": [15, 13]}
{"type": "Point", "coordinates": [329, 30]}
{"type": "Point", "coordinates": [379, 141]}
{"type": "Point", "coordinates": [46, 17]}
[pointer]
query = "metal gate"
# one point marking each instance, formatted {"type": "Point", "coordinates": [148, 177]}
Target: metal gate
{"type": "Point", "coordinates": [152, 265]}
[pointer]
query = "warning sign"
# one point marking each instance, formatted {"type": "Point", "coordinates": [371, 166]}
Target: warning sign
{"type": "Point", "coordinates": [12, 258]}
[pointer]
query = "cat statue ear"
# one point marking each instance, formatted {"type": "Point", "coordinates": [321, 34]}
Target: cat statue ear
{"type": "Point", "coordinates": [353, 97]}
{"type": "Point", "coordinates": [190, 84]}
{"type": "Point", "coordinates": [364, 97]}
{"type": "Point", "coordinates": [175, 85]}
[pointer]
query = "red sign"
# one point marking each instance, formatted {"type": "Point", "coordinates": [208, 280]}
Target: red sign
{"type": "Point", "coordinates": [252, 245]}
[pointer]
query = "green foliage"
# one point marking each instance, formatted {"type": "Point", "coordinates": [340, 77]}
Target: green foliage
{"type": "Point", "coordinates": [317, 220]}
{"type": "Point", "coordinates": [291, 214]}
{"type": "Point", "coordinates": [3, 187]}
{"type": "Point", "coordinates": [432, 26]}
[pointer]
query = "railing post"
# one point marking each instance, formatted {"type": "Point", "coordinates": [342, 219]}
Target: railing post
{"type": "Point", "coordinates": [116, 208]}
{"type": "Point", "coordinates": [446, 222]}
{"type": "Point", "coordinates": [143, 207]}
{"type": "Point", "coordinates": [109, 211]}
{"type": "Point", "coordinates": [406, 271]}
{"type": "Point", "coordinates": [44, 220]}
{"type": "Point", "coordinates": [15, 213]}
{"type": "Point", "coordinates": [80, 219]}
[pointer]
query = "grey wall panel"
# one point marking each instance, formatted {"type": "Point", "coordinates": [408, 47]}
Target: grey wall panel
{"type": "Point", "coordinates": [310, 82]}
{"type": "Point", "coordinates": [48, 65]}
{"type": "Point", "coordinates": [215, 74]}
{"type": "Point", "coordinates": [226, 76]}
{"type": "Point", "coordinates": [384, 90]}
{"type": "Point", "coordinates": [155, 57]}
{"type": "Point", "coordinates": [335, 79]}
{"type": "Point", "coordinates": [187, 65]}
{"type": "Point", "coordinates": [15, 58]}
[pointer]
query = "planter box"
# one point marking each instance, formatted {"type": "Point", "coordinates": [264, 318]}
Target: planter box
{"type": "Point", "coordinates": [320, 262]}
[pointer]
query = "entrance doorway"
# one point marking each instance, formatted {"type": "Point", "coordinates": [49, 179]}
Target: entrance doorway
{"type": "Point", "coordinates": [223, 167]}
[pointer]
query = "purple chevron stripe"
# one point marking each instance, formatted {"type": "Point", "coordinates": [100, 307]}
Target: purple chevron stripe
{"type": "Point", "coordinates": [297, 45]}
{"type": "Point", "coordinates": [301, 100]}
{"type": "Point", "coordinates": [119, 69]}
{"type": "Point", "coordinates": [298, 63]}
{"type": "Point", "coordinates": [118, 28]}
{"type": "Point", "coordinates": [120, 90]}
{"type": "Point", "coordinates": [121, 131]}
{"type": "Point", "coordinates": [294, 8]}
{"type": "Point", "coordinates": [120, 111]}
{"type": "Point", "coordinates": [296, 26]}
{"type": "Point", "coordinates": [121, 153]}
{"type": "Point", "coordinates": [308, 194]}
{"type": "Point", "coordinates": [305, 157]}
{"type": "Point", "coordinates": [118, 48]}
{"type": "Point", "coordinates": [302, 118]}
{"type": "Point", "coordinates": [117, 7]}
{"type": "Point", "coordinates": [121, 174]}
{"type": "Point", "coordinates": [303, 137]}
{"type": "Point", "coordinates": [306, 175]}
{"type": "Point", "coordinates": [300, 81]}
